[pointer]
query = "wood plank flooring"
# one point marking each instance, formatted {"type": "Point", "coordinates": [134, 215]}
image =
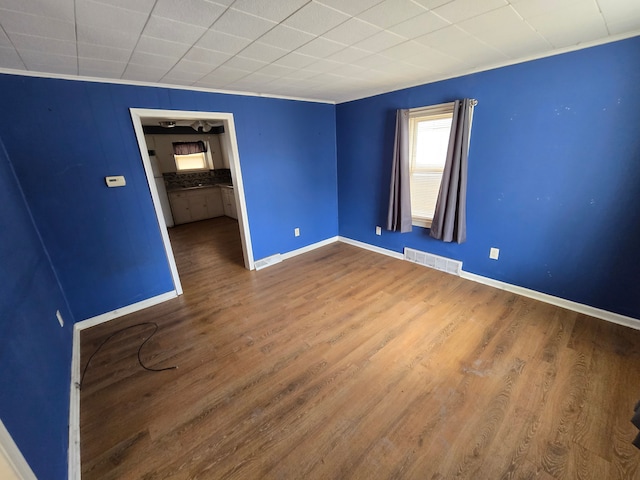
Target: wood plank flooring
{"type": "Point", "coordinates": [345, 364]}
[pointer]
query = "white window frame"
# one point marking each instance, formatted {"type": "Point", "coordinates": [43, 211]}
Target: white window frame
{"type": "Point", "coordinates": [435, 112]}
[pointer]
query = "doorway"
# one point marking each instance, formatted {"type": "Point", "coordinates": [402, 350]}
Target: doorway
{"type": "Point", "coordinates": [140, 116]}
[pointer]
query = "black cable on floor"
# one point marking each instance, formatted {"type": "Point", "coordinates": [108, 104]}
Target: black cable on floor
{"type": "Point", "coordinates": [155, 325]}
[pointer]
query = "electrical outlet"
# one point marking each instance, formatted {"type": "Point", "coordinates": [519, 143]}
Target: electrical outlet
{"type": "Point", "coordinates": [378, 230]}
{"type": "Point", "coordinates": [494, 253]}
{"type": "Point", "coordinates": [59, 317]}
{"type": "Point", "coordinates": [296, 232]}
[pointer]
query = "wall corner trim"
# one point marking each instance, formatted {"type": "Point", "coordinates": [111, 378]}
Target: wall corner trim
{"type": "Point", "coordinates": [372, 248]}
{"type": "Point", "coordinates": [10, 452]}
{"type": "Point", "coordinates": [309, 248]}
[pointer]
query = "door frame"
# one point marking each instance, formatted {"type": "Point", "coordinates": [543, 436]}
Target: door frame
{"type": "Point", "coordinates": [140, 114]}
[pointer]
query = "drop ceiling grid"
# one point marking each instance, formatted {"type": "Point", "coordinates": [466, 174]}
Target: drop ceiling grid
{"type": "Point", "coordinates": [334, 49]}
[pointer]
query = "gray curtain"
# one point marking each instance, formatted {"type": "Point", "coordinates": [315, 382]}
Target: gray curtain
{"type": "Point", "coordinates": [450, 217]}
{"type": "Point", "coordinates": [399, 216]}
{"type": "Point", "coordinates": [188, 148]}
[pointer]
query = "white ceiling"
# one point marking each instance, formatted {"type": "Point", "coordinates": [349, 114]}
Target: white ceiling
{"type": "Point", "coordinates": [331, 50]}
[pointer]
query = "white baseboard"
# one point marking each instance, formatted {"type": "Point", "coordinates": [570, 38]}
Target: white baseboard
{"type": "Point", "coordinates": [525, 292]}
{"type": "Point", "coordinates": [309, 248]}
{"type": "Point", "coordinates": [74, 396]}
{"type": "Point", "coordinates": [557, 301]}
{"type": "Point", "coordinates": [373, 248]}
{"type": "Point", "coordinates": [120, 312]}
{"type": "Point", "coordinates": [10, 453]}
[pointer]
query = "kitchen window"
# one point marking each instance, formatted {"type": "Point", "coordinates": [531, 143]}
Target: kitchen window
{"type": "Point", "coordinates": [191, 156]}
{"type": "Point", "coordinates": [429, 131]}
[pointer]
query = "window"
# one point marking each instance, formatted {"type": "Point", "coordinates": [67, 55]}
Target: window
{"type": "Point", "coordinates": [190, 156]}
{"type": "Point", "coordinates": [429, 130]}
{"type": "Point", "coordinates": [192, 161]}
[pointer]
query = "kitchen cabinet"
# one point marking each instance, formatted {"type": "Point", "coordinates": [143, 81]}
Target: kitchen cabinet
{"type": "Point", "coordinates": [229, 202]}
{"type": "Point", "coordinates": [191, 205]}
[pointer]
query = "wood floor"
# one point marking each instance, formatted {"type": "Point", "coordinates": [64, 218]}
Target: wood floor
{"type": "Point", "coordinates": [346, 364]}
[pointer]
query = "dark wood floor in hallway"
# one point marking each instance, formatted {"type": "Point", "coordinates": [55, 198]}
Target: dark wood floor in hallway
{"type": "Point", "coordinates": [346, 364]}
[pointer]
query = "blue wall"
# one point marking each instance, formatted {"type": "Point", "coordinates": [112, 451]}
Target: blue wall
{"type": "Point", "coordinates": [35, 353]}
{"type": "Point", "coordinates": [554, 174]}
{"type": "Point", "coordinates": [64, 137]}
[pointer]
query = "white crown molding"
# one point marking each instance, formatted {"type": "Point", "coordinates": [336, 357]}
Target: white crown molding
{"type": "Point", "coordinates": [117, 81]}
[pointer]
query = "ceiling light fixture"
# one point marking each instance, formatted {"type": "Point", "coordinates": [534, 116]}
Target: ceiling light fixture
{"type": "Point", "coordinates": [198, 124]}
{"type": "Point", "coordinates": [167, 124]}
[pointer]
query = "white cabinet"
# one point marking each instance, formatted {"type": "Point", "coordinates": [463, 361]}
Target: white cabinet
{"type": "Point", "coordinates": [229, 202]}
{"type": "Point", "coordinates": [197, 204]}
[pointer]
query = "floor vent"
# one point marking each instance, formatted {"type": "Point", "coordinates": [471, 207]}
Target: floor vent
{"type": "Point", "coordinates": [433, 261]}
{"type": "Point", "coordinates": [268, 261]}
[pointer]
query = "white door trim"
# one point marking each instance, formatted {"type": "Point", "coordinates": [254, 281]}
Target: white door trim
{"type": "Point", "coordinates": [137, 116]}
{"type": "Point", "coordinates": [12, 456]}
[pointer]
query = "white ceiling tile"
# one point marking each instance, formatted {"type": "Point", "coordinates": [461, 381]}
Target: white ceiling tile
{"type": "Point", "coordinates": [143, 6]}
{"type": "Point", "coordinates": [64, 67]}
{"type": "Point", "coordinates": [222, 42]}
{"type": "Point", "coordinates": [58, 9]}
{"type": "Point", "coordinates": [256, 82]}
{"type": "Point", "coordinates": [26, 24]}
{"type": "Point", "coordinates": [271, 10]}
{"type": "Point", "coordinates": [435, 61]}
{"type": "Point", "coordinates": [352, 31]}
{"type": "Point", "coordinates": [380, 41]}
{"type": "Point", "coordinates": [431, 4]}
{"type": "Point", "coordinates": [101, 52]}
{"type": "Point", "coordinates": [349, 70]}
{"type": "Point", "coordinates": [404, 50]}
{"type": "Point", "coordinates": [570, 25]}
{"type": "Point", "coordinates": [108, 74]}
{"type": "Point", "coordinates": [225, 75]}
{"type": "Point", "coordinates": [9, 58]}
{"type": "Point", "coordinates": [4, 40]}
{"type": "Point", "coordinates": [419, 25]}
{"type": "Point", "coordinates": [192, 68]}
{"type": "Point", "coordinates": [315, 18]}
{"type": "Point", "coordinates": [351, 7]}
{"type": "Point", "coordinates": [181, 78]}
{"type": "Point", "coordinates": [94, 65]}
{"type": "Point", "coordinates": [459, 10]}
{"type": "Point", "coordinates": [165, 29]}
{"type": "Point", "coordinates": [286, 37]}
{"type": "Point", "coordinates": [143, 73]}
{"type": "Point", "coordinates": [263, 52]}
{"type": "Point", "coordinates": [624, 26]}
{"type": "Point", "coordinates": [391, 12]}
{"type": "Point", "coordinates": [34, 59]}
{"type": "Point", "coordinates": [151, 60]}
{"type": "Point", "coordinates": [373, 61]}
{"type": "Point", "coordinates": [41, 44]}
{"type": "Point", "coordinates": [349, 55]}
{"type": "Point", "coordinates": [459, 44]}
{"type": "Point", "coordinates": [159, 46]}
{"type": "Point", "coordinates": [501, 18]}
{"type": "Point", "coordinates": [242, 63]}
{"type": "Point", "coordinates": [106, 37]}
{"type": "Point", "coordinates": [533, 8]}
{"type": "Point", "coordinates": [295, 60]}
{"type": "Point", "coordinates": [321, 47]}
{"type": "Point", "coordinates": [192, 12]}
{"type": "Point", "coordinates": [299, 75]}
{"type": "Point", "coordinates": [203, 55]}
{"type": "Point", "coordinates": [93, 14]}
{"type": "Point", "coordinates": [323, 65]}
{"type": "Point", "coordinates": [243, 25]}
{"type": "Point", "coordinates": [276, 70]}
{"type": "Point", "coordinates": [617, 11]}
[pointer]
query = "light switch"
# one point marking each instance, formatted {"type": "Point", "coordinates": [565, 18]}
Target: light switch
{"type": "Point", "coordinates": [115, 181]}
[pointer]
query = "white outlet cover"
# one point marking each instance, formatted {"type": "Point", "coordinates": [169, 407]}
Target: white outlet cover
{"type": "Point", "coordinates": [296, 232]}
{"type": "Point", "coordinates": [378, 230]}
{"type": "Point", "coordinates": [494, 253]}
